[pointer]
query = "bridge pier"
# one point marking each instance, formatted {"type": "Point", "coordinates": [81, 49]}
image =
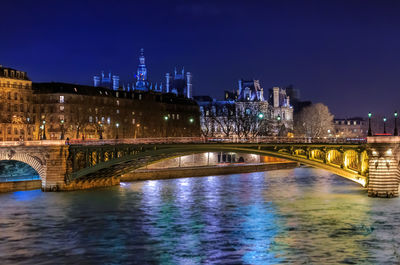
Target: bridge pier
{"type": "Point", "coordinates": [384, 171]}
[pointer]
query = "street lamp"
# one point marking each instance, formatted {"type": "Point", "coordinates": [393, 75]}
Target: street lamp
{"type": "Point", "coordinates": [44, 130]}
{"type": "Point", "coordinates": [166, 118]}
{"type": "Point", "coordinates": [369, 124]}
{"type": "Point", "coordinates": [191, 120]}
{"type": "Point", "coordinates": [384, 125]}
{"type": "Point", "coordinates": [278, 118]}
{"type": "Point", "coordinates": [117, 125]}
{"type": "Point", "coordinates": [260, 116]}
{"type": "Point", "coordinates": [100, 130]}
{"type": "Point", "coordinates": [62, 129]}
{"type": "Point", "coordinates": [396, 133]}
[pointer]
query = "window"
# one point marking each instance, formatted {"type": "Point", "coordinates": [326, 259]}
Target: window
{"type": "Point", "coordinates": [173, 116]}
{"type": "Point", "coordinates": [62, 108]}
{"type": "Point", "coordinates": [133, 121]}
{"type": "Point", "coordinates": [15, 96]}
{"type": "Point", "coordinates": [117, 111]}
{"type": "Point", "coordinates": [140, 96]}
{"type": "Point", "coordinates": [117, 102]}
{"type": "Point", "coordinates": [8, 130]}
{"type": "Point", "coordinates": [177, 116]}
{"type": "Point", "coordinates": [90, 119]}
{"type": "Point", "coordinates": [61, 99]}
{"type": "Point", "coordinates": [15, 131]}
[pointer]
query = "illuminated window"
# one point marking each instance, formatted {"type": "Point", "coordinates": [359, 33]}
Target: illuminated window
{"type": "Point", "coordinates": [117, 102]}
{"type": "Point", "coordinates": [177, 116]}
{"type": "Point", "coordinates": [62, 108]}
{"type": "Point", "coordinates": [133, 121]}
{"type": "Point", "coordinates": [117, 111]}
{"type": "Point", "coordinates": [90, 119]}
{"type": "Point", "coordinates": [61, 99]}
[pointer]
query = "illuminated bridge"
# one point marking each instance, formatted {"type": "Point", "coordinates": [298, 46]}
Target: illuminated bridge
{"type": "Point", "coordinates": [373, 163]}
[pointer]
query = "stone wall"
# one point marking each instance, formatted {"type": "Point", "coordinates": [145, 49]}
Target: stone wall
{"type": "Point", "coordinates": [20, 185]}
{"type": "Point", "coordinates": [384, 173]}
{"type": "Point", "coordinates": [143, 174]}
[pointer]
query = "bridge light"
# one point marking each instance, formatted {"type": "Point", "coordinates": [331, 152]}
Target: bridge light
{"type": "Point", "coordinates": [260, 116]}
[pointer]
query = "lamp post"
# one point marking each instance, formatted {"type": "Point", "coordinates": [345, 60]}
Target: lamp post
{"type": "Point", "coordinates": [117, 125]}
{"type": "Point", "coordinates": [166, 118]}
{"type": "Point", "coordinates": [396, 133]}
{"type": "Point", "coordinates": [44, 130]}
{"type": "Point", "coordinates": [384, 125]}
{"type": "Point", "coordinates": [369, 124]}
{"type": "Point", "coordinates": [100, 130]}
{"type": "Point", "coordinates": [62, 129]}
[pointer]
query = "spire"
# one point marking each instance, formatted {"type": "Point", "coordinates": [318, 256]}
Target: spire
{"type": "Point", "coordinates": [183, 71]}
{"type": "Point", "coordinates": [175, 71]}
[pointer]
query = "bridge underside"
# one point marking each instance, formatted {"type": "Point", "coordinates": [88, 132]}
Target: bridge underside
{"type": "Point", "coordinates": [87, 163]}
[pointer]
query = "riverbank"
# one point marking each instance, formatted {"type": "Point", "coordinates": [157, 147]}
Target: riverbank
{"type": "Point", "coordinates": [20, 185]}
{"type": "Point", "coordinates": [184, 172]}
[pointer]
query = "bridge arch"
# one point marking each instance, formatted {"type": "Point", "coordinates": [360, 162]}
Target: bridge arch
{"type": "Point", "coordinates": [32, 161]}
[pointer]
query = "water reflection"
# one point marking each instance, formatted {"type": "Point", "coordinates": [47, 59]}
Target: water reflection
{"type": "Point", "coordinates": [295, 216]}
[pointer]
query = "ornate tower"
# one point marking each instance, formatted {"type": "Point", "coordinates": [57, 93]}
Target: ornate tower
{"type": "Point", "coordinates": [141, 75]}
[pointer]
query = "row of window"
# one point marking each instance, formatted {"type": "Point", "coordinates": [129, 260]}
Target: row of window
{"type": "Point", "coordinates": [13, 74]}
{"type": "Point", "coordinates": [15, 85]}
{"type": "Point", "coordinates": [16, 131]}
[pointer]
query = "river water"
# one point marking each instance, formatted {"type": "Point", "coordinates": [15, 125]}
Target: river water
{"type": "Point", "coordinates": [296, 216]}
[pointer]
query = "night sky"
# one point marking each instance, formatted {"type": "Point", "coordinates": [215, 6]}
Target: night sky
{"type": "Point", "coordinates": [341, 53]}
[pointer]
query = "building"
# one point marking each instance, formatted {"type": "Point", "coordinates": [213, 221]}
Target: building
{"type": "Point", "coordinates": [17, 117]}
{"type": "Point", "coordinates": [246, 113]}
{"type": "Point", "coordinates": [352, 127]}
{"type": "Point", "coordinates": [110, 82]}
{"type": "Point", "coordinates": [86, 112]}
{"type": "Point", "coordinates": [180, 83]}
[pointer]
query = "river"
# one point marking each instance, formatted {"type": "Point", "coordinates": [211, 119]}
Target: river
{"type": "Point", "coordinates": [296, 216]}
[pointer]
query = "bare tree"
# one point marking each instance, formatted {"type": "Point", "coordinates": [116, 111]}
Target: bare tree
{"type": "Point", "coordinates": [314, 121]}
{"type": "Point", "coordinates": [226, 119]}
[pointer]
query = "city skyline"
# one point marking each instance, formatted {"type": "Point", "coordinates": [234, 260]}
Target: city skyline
{"type": "Point", "coordinates": [343, 54]}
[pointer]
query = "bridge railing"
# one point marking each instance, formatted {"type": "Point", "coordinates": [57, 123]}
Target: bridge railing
{"type": "Point", "coordinates": [176, 140]}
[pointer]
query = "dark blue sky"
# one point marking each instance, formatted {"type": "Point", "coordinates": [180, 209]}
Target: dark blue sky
{"type": "Point", "coordinates": [342, 53]}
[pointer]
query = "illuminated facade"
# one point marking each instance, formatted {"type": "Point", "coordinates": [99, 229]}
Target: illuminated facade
{"type": "Point", "coordinates": [246, 113]}
{"type": "Point", "coordinates": [180, 83]}
{"type": "Point", "coordinates": [111, 82]}
{"type": "Point", "coordinates": [16, 114]}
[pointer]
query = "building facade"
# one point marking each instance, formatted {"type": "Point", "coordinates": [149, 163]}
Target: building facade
{"type": "Point", "coordinates": [180, 83]}
{"type": "Point", "coordinates": [43, 111]}
{"type": "Point", "coordinates": [352, 127]}
{"type": "Point", "coordinates": [85, 112]}
{"type": "Point", "coordinates": [16, 113]}
{"type": "Point", "coordinates": [246, 113]}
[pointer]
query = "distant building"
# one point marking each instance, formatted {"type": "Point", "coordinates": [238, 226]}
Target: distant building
{"type": "Point", "coordinates": [110, 81]}
{"type": "Point", "coordinates": [180, 83]}
{"type": "Point", "coordinates": [351, 127]}
{"type": "Point", "coordinates": [246, 113]}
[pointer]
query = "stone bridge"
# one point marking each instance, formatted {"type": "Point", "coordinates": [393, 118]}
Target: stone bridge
{"type": "Point", "coordinates": [373, 163]}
